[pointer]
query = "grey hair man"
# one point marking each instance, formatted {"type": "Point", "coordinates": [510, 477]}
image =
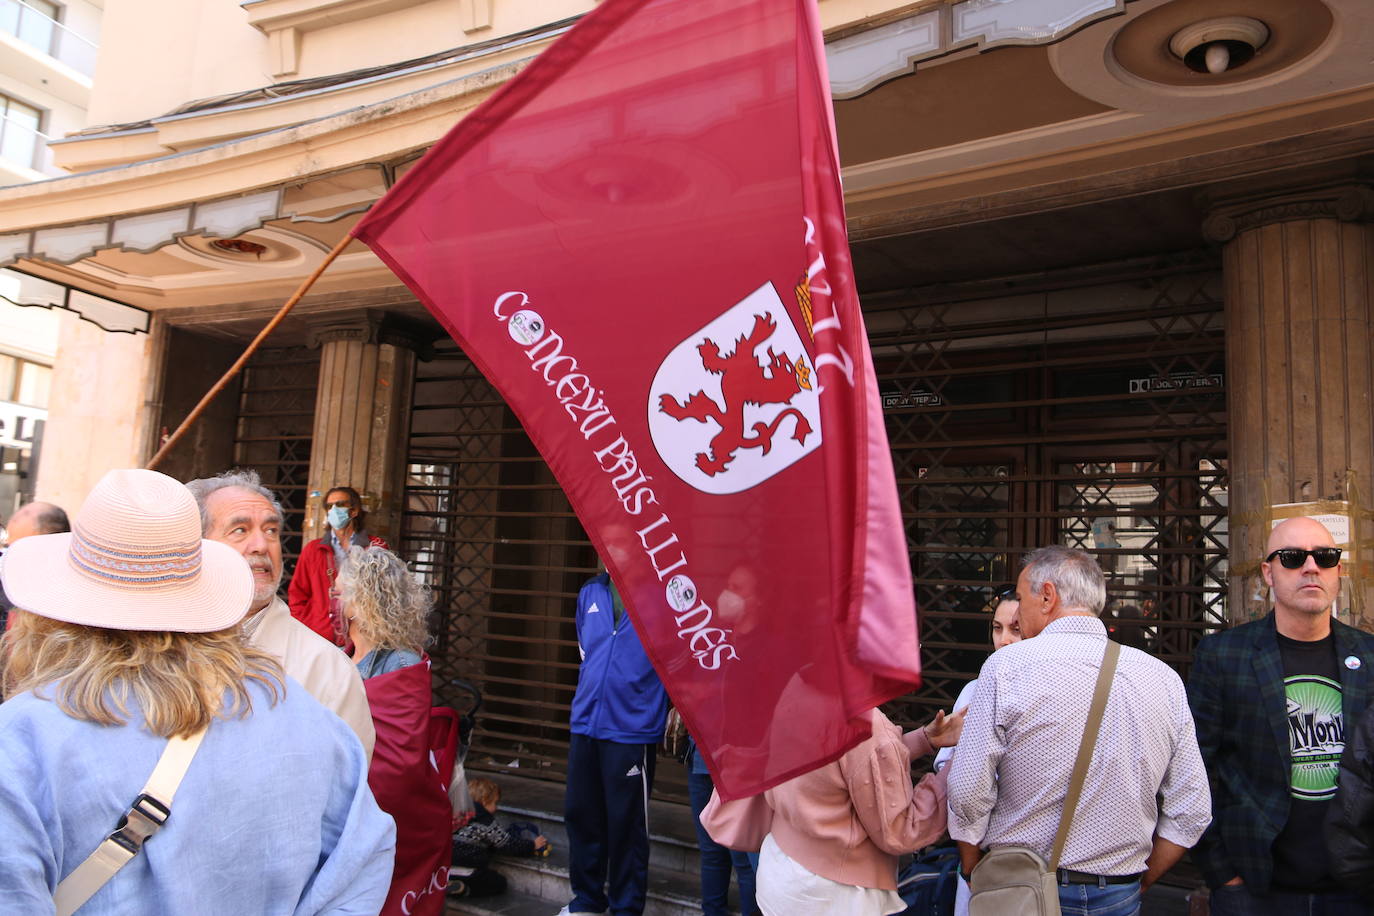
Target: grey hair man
{"type": "Point", "coordinates": [236, 509]}
{"type": "Point", "coordinates": [1145, 798]}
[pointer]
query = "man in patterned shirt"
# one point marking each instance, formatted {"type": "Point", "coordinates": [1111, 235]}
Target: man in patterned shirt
{"type": "Point", "coordinates": [1145, 797]}
{"type": "Point", "coordinates": [1273, 699]}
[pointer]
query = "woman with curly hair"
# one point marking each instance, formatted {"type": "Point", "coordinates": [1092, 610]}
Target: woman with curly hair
{"type": "Point", "coordinates": [386, 609]}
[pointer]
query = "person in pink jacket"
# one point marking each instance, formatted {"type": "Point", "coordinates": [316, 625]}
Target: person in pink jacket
{"type": "Point", "coordinates": [829, 839]}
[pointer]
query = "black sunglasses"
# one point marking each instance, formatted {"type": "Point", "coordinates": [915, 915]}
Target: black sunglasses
{"type": "Point", "coordinates": [1293, 558]}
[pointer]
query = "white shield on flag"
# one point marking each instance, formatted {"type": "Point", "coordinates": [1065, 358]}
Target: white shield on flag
{"type": "Point", "coordinates": [736, 402]}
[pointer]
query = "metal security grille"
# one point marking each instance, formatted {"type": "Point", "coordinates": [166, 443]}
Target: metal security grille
{"type": "Point", "coordinates": [1081, 410]}
{"type": "Point", "coordinates": [493, 535]}
{"type": "Point", "coordinates": [275, 426]}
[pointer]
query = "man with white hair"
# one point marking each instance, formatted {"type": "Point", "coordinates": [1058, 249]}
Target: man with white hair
{"type": "Point", "coordinates": [1144, 800]}
{"type": "Point", "coordinates": [236, 509]}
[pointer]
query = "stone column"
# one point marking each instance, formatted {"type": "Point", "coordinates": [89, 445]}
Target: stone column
{"type": "Point", "coordinates": [1299, 279]}
{"type": "Point", "coordinates": [362, 417]}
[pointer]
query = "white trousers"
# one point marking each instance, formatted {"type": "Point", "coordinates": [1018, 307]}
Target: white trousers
{"type": "Point", "coordinates": [785, 888]}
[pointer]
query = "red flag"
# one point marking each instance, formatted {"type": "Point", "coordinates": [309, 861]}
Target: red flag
{"type": "Point", "coordinates": [410, 785]}
{"type": "Point", "coordinates": [641, 241]}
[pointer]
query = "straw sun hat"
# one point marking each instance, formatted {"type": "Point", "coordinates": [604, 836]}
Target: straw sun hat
{"type": "Point", "coordinates": [134, 560]}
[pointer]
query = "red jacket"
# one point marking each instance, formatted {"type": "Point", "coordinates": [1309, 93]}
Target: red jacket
{"type": "Point", "coordinates": [308, 593]}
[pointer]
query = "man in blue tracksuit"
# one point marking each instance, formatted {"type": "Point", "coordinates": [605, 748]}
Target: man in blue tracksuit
{"type": "Point", "coordinates": [618, 713]}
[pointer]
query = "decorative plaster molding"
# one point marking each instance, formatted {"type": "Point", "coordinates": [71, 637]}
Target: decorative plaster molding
{"type": "Point", "coordinates": [858, 63]}
{"type": "Point", "coordinates": [475, 15]}
{"type": "Point", "coordinates": [351, 327]}
{"type": "Point", "coordinates": [864, 60]}
{"type": "Point", "coordinates": [284, 21]}
{"type": "Point", "coordinates": [1025, 22]}
{"type": "Point", "coordinates": [29, 291]}
{"type": "Point", "coordinates": [308, 15]}
{"type": "Point", "coordinates": [147, 232]}
{"type": "Point", "coordinates": [284, 50]}
{"type": "Point", "coordinates": [1348, 203]}
{"type": "Point", "coordinates": [372, 326]}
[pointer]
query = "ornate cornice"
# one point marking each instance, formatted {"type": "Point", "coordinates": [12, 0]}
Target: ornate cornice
{"type": "Point", "coordinates": [1347, 202]}
{"type": "Point", "coordinates": [352, 326]}
{"type": "Point", "coordinates": [372, 326]}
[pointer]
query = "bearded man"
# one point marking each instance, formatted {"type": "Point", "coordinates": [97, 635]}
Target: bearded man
{"type": "Point", "coordinates": [236, 509]}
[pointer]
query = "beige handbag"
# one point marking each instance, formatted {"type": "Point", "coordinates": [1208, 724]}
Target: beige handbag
{"type": "Point", "coordinates": [1015, 880]}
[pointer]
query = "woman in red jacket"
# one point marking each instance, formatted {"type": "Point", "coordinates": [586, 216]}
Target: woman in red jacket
{"type": "Point", "coordinates": [311, 591]}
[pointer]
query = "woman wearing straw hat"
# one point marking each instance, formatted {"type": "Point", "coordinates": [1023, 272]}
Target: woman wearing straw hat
{"type": "Point", "coordinates": [128, 669]}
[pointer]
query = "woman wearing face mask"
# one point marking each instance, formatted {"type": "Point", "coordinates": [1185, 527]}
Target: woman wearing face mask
{"type": "Point", "coordinates": [1006, 629]}
{"type": "Point", "coordinates": [312, 584]}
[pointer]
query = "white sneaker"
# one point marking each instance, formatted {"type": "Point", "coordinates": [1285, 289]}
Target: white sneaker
{"type": "Point", "coordinates": [567, 912]}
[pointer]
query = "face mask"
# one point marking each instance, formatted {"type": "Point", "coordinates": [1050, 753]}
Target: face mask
{"type": "Point", "coordinates": [338, 517]}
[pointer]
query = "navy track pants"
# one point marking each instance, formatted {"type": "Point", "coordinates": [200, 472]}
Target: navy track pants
{"type": "Point", "coordinates": [607, 814]}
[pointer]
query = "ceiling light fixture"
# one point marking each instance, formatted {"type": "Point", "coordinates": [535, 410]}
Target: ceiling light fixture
{"type": "Point", "coordinates": [1219, 45]}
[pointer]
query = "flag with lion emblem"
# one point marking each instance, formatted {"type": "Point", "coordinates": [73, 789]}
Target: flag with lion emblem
{"type": "Point", "coordinates": [640, 240]}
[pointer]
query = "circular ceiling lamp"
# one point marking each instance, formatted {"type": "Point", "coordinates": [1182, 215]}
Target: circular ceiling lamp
{"type": "Point", "coordinates": [1216, 46]}
{"type": "Point", "coordinates": [1219, 45]}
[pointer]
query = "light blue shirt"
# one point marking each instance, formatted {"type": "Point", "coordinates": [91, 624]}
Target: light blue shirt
{"type": "Point", "coordinates": [274, 816]}
{"type": "Point", "coordinates": [385, 661]}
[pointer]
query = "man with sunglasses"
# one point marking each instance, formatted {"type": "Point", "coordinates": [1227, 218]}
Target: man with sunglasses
{"type": "Point", "coordinates": [1272, 700]}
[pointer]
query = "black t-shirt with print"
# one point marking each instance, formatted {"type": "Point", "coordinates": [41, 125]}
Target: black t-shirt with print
{"type": "Point", "coordinates": [1316, 737]}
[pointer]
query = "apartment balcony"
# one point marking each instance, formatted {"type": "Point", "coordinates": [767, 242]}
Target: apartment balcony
{"type": "Point", "coordinates": [39, 50]}
{"type": "Point", "coordinates": [24, 154]}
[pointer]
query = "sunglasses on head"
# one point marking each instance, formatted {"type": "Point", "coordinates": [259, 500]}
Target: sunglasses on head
{"type": "Point", "coordinates": [1293, 558]}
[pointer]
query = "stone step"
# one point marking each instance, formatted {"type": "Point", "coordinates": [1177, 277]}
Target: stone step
{"type": "Point", "coordinates": [671, 892]}
{"type": "Point", "coordinates": [672, 831]}
{"type": "Point", "coordinates": [511, 903]}
{"type": "Point", "coordinates": [674, 864]}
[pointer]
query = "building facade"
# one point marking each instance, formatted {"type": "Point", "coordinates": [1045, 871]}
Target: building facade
{"type": "Point", "coordinates": [1114, 255]}
{"type": "Point", "coordinates": [47, 61]}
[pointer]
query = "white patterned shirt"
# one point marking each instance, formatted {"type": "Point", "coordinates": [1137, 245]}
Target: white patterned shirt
{"type": "Point", "coordinates": [1011, 771]}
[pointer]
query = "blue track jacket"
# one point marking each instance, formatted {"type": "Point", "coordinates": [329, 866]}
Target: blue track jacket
{"type": "Point", "coordinates": [619, 696]}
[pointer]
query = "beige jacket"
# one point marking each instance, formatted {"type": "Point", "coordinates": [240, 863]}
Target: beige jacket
{"type": "Point", "coordinates": [316, 664]}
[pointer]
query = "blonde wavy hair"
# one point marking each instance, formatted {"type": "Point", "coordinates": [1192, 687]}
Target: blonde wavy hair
{"type": "Point", "coordinates": [388, 605]}
{"type": "Point", "coordinates": [177, 680]}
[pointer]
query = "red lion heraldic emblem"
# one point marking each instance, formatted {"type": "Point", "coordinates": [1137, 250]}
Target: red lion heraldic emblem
{"type": "Point", "coordinates": [726, 436]}
{"type": "Point", "coordinates": [743, 381]}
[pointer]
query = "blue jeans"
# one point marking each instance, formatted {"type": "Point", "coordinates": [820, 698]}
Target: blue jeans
{"type": "Point", "coordinates": [1236, 900]}
{"type": "Point", "coordinates": [716, 860]}
{"type": "Point", "coordinates": [1091, 900]}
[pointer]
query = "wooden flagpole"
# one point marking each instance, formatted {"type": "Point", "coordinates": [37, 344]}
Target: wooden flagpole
{"type": "Point", "coordinates": [247, 354]}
